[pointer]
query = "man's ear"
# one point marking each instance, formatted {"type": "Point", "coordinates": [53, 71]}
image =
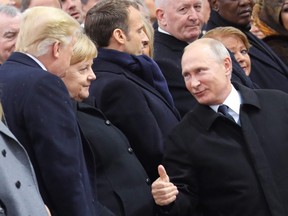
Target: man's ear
{"type": "Point", "coordinates": [214, 5]}
{"type": "Point", "coordinates": [119, 36]}
{"type": "Point", "coordinates": [160, 15]}
{"type": "Point", "coordinates": [56, 49]}
{"type": "Point", "coordinates": [228, 66]}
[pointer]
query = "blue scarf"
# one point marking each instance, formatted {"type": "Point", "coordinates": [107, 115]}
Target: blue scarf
{"type": "Point", "coordinates": [142, 66]}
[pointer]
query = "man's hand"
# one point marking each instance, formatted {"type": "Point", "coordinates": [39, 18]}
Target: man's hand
{"type": "Point", "coordinates": [164, 192]}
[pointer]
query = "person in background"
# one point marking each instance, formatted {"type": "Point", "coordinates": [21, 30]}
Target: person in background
{"type": "Point", "coordinates": [254, 27]}
{"type": "Point", "coordinates": [267, 69]}
{"type": "Point", "coordinates": [86, 5]}
{"type": "Point", "coordinates": [19, 193]}
{"type": "Point", "coordinates": [152, 10]}
{"type": "Point", "coordinates": [74, 9]}
{"type": "Point", "coordinates": [180, 23]}
{"type": "Point", "coordinates": [149, 43]}
{"type": "Point", "coordinates": [130, 88]}
{"type": "Point", "coordinates": [10, 19]}
{"type": "Point", "coordinates": [148, 29]}
{"type": "Point", "coordinates": [224, 158]}
{"type": "Point", "coordinates": [25, 4]}
{"type": "Point", "coordinates": [206, 10]}
{"type": "Point", "coordinates": [236, 41]}
{"type": "Point", "coordinates": [271, 17]}
{"type": "Point", "coordinates": [121, 180]}
{"type": "Point", "coordinates": [39, 113]}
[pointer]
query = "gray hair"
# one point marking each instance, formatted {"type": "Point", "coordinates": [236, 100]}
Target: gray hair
{"type": "Point", "coordinates": [9, 10]}
{"type": "Point", "coordinates": [219, 51]}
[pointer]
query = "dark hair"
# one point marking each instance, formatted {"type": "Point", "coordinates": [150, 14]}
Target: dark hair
{"type": "Point", "coordinates": [105, 17]}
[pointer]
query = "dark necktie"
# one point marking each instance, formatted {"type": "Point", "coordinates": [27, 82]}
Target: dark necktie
{"type": "Point", "coordinates": [223, 109]}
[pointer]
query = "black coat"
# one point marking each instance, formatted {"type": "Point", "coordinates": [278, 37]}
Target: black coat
{"type": "Point", "coordinates": [279, 44]}
{"type": "Point", "coordinates": [136, 108]}
{"type": "Point", "coordinates": [122, 183]}
{"type": "Point", "coordinates": [39, 113]}
{"type": "Point", "coordinates": [267, 69]}
{"type": "Point", "coordinates": [168, 52]}
{"type": "Point", "coordinates": [223, 169]}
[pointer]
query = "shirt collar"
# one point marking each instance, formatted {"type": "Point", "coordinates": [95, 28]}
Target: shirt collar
{"type": "Point", "coordinates": [233, 101]}
{"type": "Point", "coordinates": [37, 61]}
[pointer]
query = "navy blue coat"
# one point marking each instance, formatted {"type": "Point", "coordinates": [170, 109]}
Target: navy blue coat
{"type": "Point", "coordinates": [168, 52]}
{"type": "Point", "coordinates": [136, 108]}
{"type": "Point", "coordinates": [267, 69]}
{"type": "Point", "coordinates": [39, 113]}
{"type": "Point", "coordinates": [223, 169]}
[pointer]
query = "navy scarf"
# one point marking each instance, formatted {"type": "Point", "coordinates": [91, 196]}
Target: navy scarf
{"type": "Point", "coordinates": [142, 66]}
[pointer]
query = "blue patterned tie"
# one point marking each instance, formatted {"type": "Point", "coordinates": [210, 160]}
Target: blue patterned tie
{"type": "Point", "coordinates": [223, 109]}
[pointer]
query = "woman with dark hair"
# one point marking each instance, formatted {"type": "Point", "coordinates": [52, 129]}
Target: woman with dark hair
{"type": "Point", "coordinates": [271, 17]}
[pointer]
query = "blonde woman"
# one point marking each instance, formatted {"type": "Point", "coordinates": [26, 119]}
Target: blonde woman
{"type": "Point", "coordinates": [236, 41]}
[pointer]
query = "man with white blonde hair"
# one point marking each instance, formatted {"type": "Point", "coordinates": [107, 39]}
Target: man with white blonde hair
{"type": "Point", "coordinates": [39, 112]}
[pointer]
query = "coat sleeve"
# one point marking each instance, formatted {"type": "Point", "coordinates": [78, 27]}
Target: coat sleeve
{"type": "Point", "coordinates": [183, 174]}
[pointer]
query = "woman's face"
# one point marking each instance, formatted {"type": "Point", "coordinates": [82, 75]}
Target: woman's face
{"type": "Point", "coordinates": [78, 79]}
{"type": "Point", "coordinates": [284, 15]}
{"type": "Point", "coordinates": [238, 48]}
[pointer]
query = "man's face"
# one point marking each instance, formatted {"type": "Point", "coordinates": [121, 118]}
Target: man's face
{"type": "Point", "coordinates": [9, 28]}
{"type": "Point", "coordinates": [182, 18]}
{"type": "Point", "coordinates": [73, 8]}
{"type": "Point", "coordinates": [206, 79]}
{"type": "Point", "coordinates": [235, 11]}
{"type": "Point", "coordinates": [136, 36]}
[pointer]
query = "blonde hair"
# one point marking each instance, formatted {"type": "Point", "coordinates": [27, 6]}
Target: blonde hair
{"type": "Point", "coordinates": [42, 26]}
{"type": "Point", "coordinates": [149, 31]}
{"type": "Point", "coordinates": [222, 32]}
{"type": "Point", "coordinates": [83, 49]}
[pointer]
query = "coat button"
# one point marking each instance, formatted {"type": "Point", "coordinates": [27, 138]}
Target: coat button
{"type": "Point", "coordinates": [148, 181]}
{"type": "Point", "coordinates": [18, 184]}
{"type": "Point", "coordinates": [130, 150]}
{"type": "Point", "coordinates": [107, 122]}
{"type": "Point", "coordinates": [4, 153]}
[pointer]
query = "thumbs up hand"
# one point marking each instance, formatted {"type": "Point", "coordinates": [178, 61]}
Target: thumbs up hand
{"type": "Point", "coordinates": [164, 192]}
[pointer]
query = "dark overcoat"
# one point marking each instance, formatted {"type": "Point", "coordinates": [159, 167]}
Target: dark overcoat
{"type": "Point", "coordinates": [223, 169]}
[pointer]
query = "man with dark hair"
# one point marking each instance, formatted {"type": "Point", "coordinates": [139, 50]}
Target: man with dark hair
{"type": "Point", "coordinates": [130, 88]}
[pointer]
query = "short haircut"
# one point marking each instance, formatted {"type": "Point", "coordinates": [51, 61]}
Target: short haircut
{"type": "Point", "coordinates": [224, 32]}
{"type": "Point", "coordinates": [10, 11]}
{"type": "Point", "coordinates": [105, 17]}
{"type": "Point", "coordinates": [216, 49]}
{"type": "Point", "coordinates": [219, 51]}
{"type": "Point", "coordinates": [83, 49]}
{"type": "Point", "coordinates": [42, 26]}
